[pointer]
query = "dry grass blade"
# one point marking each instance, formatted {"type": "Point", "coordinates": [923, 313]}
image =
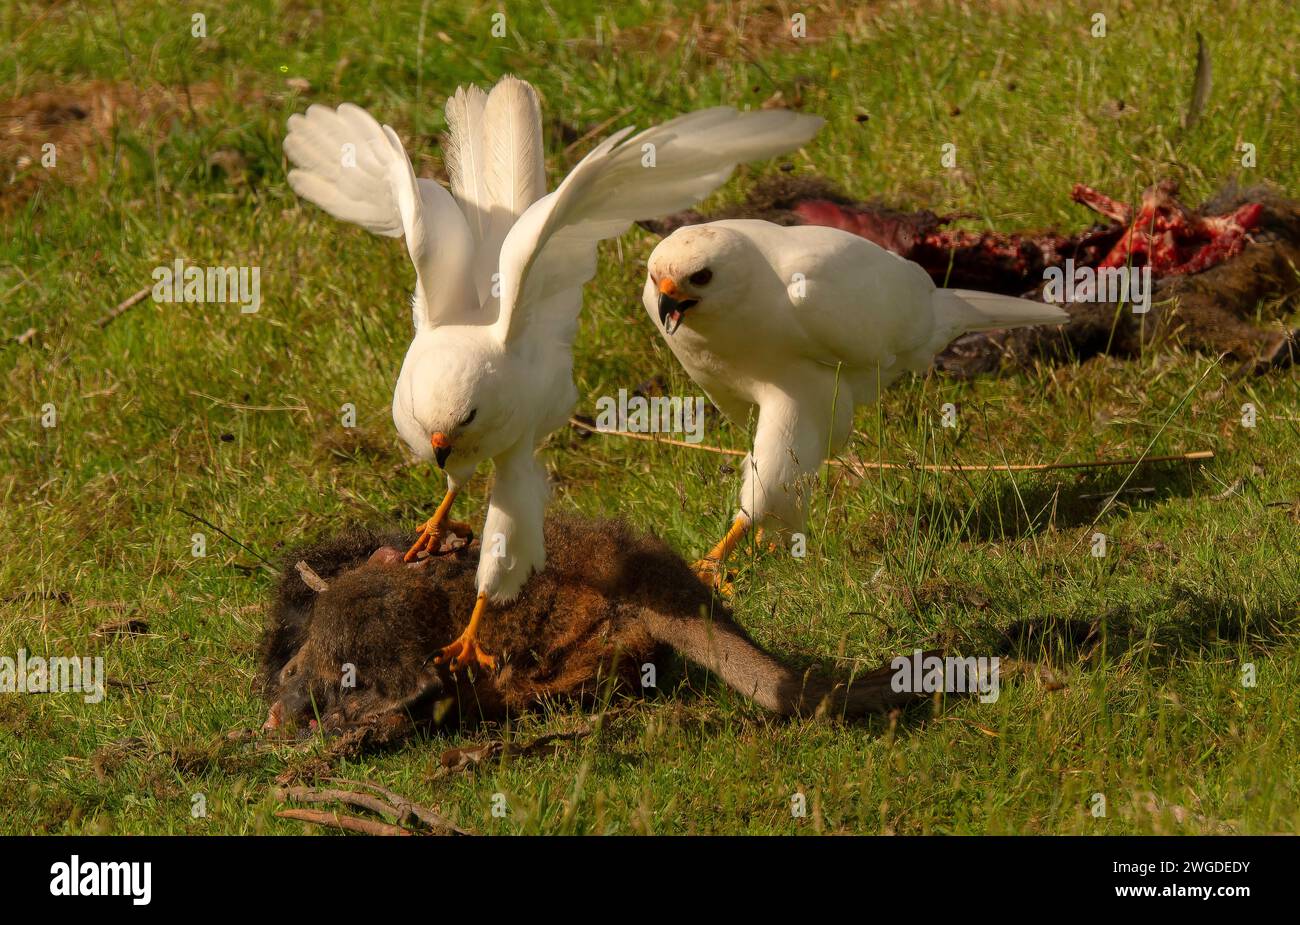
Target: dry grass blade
{"type": "Point", "coordinates": [241, 406]}
{"type": "Point", "coordinates": [135, 626]}
{"type": "Point", "coordinates": [1201, 84]}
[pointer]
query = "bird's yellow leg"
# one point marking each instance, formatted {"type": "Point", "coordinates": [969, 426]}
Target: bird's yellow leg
{"type": "Point", "coordinates": [709, 569]}
{"type": "Point", "coordinates": [465, 649]}
{"type": "Point", "coordinates": [435, 528]}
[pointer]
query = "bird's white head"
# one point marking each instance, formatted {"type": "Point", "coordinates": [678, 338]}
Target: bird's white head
{"type": "Point", "coordinates": [451, 404]}
{"type": "Point", "coordinates": [694, 269]}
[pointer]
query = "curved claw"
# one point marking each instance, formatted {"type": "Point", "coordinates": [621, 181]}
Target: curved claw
{"type": "Point", "coordinates": [434, 529]}
{"type": "Point", "coordinates": [465, 650]}
{"type": "Point", "coordinates": [423, 543]}
{"type": "Point", "coordinates": [432, 536]}
{"type": "Point", "coordinates": [712, 574]}
{"type": "Point", "coordinates": [710, 569]}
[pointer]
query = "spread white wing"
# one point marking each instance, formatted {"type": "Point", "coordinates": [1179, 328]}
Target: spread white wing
{"type": "Point", "coordinates": [358, 171]}
{"type": "Point", "coordinates": [552, 248]}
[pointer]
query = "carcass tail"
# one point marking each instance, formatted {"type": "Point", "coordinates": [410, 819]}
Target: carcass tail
{"type": "Point", "coordinates": [723, 648]}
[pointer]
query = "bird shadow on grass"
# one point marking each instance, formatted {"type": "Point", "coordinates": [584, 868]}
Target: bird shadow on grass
{"type": "Point", "coordinates": [1182, 623]}
{"type": "Point", "coordinates": [1010, 511]}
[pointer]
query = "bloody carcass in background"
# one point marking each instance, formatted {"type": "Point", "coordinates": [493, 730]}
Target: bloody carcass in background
{"type": "Point", "coordinates": [1212, 268]}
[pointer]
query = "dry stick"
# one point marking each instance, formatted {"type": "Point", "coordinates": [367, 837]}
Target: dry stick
{"type": "Point", "coordinates": [1033, 467]}
{"type": "Point", "coordinates": [36, 22]}
{"type": "Point", "coordinates": [592, 133]}
{"type": "Point", "coordinates": [133, 299]}
{"type": "Point", "coordinates": [310, 578]}
{"type": "Point", "coordinates": [434, 820]}
{"type": "Point", "coordinates": [1122, 485]}
{"type": "Point", "coordinates": [359, 800]}
{"type": "Point", "coordinates": [655, 439]}
{"type": "Point", "coordinates": [339, 821]}
{"type": "Point", "coordinates": [210, 525]}
{"type": "Point", "coordinates": [857, 466]}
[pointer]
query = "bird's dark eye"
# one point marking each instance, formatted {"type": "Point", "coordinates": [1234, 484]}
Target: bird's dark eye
{"type": "Point", "coordinates": [701, 277]}
{"type": "Point", "coordinates": [469, 418]}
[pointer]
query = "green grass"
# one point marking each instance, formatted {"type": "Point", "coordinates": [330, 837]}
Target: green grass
{"type": "Point", "coordinates": [1197, 582]}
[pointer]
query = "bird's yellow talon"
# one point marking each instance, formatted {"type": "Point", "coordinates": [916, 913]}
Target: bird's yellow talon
{"type": "Point", "coordinates": [712, 574]}
{"type": "Point", "coordinates": [435, 528]}
{"type": "Point", "coordinates": [465, 650]}
{"type": "Point", "coordinates": [710, 569]}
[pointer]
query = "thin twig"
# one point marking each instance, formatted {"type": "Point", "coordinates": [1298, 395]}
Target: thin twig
{"type": "Point", "coordinates": [339, 821]}
{"type": "Point", "coordinates": [655, 438]}
{"type": "Point", "coordinates": [1032, 467]}
{"type": "Point", "coordinates": [207, 523]}
{"type": "Point", "coordinates": [597, 130]}
{"type": "Point", "coordinates": [134, 298]}
{"type": "Point", "coordinates": [133, 685]}
{"type": "Point", "coordinates": [1124, 484]}
{"type": "Point", "coordinates": [433, 819]}
{"type": "Point", "coordinates": [359, 800]}
{"type": "Point", "coordinates": [36, 22]}
{"type": "Point", "coordinates": [857, 466]}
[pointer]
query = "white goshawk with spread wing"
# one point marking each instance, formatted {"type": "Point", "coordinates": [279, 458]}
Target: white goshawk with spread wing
{"type": "Point", "coordinates": [802, 325]}
{"type": "Point", "coordinates": [500, 267]}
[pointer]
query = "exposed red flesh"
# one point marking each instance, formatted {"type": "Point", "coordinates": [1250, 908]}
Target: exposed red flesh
{"type": "Point", "coordinates": [1163, 234]}
{"type": "Point", "coordinates": [1169, 237]}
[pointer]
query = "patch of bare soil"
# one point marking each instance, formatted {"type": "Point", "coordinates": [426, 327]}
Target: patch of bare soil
{"type": "Point", "coordinates": [727, 29]}
{"type": "Point", "coordinates": [80, 121]}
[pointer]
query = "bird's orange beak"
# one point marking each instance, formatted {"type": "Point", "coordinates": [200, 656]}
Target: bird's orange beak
{"type": "Point", "coordinates": [672, 305]}
{"type": "Point", "coordinates": [441, 447]}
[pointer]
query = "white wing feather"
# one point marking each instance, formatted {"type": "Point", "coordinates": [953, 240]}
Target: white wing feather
{"type": "Point", "coordinates": [516, 167]}
{"type": "Point", "coordinates": [323, 145]}
{"type": "Point", "coordinates": [358, 171]}
{"type": "Point", "coordinates": [552, 248]}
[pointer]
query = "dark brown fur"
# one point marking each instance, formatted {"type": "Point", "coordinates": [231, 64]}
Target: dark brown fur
{"type": "Point", "coordinates": [609, 601]}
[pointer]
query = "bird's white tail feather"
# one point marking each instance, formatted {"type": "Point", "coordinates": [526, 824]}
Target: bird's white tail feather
{"type": "Point", "coordinates": [466, 157]}
{"type": "Point", "coordinates": [960, 311]}
{"type": "Point", "coordinates": [515, 168]}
